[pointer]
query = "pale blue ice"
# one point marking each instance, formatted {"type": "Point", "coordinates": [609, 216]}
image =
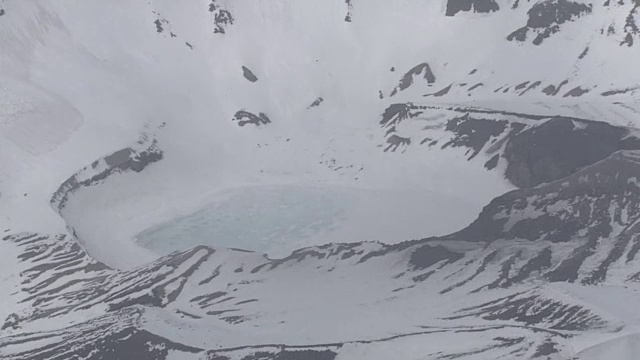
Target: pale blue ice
{"type": "Point", "coordinates": [273, 220]}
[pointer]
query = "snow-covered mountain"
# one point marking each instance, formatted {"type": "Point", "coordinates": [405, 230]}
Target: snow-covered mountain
{"type": "Point", "coordinates": [319, 179]}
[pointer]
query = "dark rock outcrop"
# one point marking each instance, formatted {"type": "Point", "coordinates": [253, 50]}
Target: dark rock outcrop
{"type": "Point", "coordinates": [587, 205]}
{"type": "Point", "coordinates": [428, 255]}
{"type": "Point", "coordinates": [473, 133]}
{"type": "Point", "coordinates": [559, 147]}
{"type": "Point", "coordinates": [576, 92]}
{"type": "Point", "coordinates": [248, 74]}
{"type": "Point", "coordinates": [631, 28]}
{"type": "Point", "coordinates": [545, 19]}
{"type": "Point", "coordinates": [347, 18]}
{"type": "Point", "coordinates": [422, 70]}
{"type": "Point", "coordinates": [244, 117]}
{"type": "Point", "coordinates": [128, 159]}
{"type": "Point", "coordinates": [478, 6]}
{"type": "Point", "coordinates": [113, 336]}
{"type": "Point", "coordinates": [222, 18]}
{"type": "Point", "coordinates": [316, 102]}
{"type": "Point", "coordinates": [532, 308]}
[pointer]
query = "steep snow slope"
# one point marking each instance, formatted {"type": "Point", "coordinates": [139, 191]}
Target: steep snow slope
{"type": "Point", "coordinates": [300, 52]}
{"type": "Point", "coordinates": [318, 125]}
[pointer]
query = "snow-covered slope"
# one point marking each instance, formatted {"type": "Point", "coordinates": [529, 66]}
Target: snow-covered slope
{"type": "Point", "coordinates": [319, 179]}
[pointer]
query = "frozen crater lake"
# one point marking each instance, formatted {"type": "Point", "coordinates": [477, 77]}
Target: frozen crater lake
{"type": "Point", "coordinates": [278, 219]}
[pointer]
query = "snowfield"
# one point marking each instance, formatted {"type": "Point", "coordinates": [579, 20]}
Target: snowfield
{"type": "Point", "coordinates": [319, 179]}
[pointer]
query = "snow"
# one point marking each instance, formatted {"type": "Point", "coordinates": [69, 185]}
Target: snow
{"type": "Point", "coordinates": [104, 87]}
{"type": "Point", "coordinates": [82, 79]}
{"type": "Point", "coordinates": [276, 220]}
{"type": "Point", "coordinates": [622, 347]}
{"type": "Point", "coordinates": [177, 355]}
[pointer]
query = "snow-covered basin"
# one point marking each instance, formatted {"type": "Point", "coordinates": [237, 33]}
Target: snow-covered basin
{"type": "Point", "coordinates": [276, 219]}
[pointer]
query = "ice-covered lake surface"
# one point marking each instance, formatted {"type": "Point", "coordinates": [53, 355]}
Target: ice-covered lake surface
{"type": "Point", "coordinates": [278, 219]}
